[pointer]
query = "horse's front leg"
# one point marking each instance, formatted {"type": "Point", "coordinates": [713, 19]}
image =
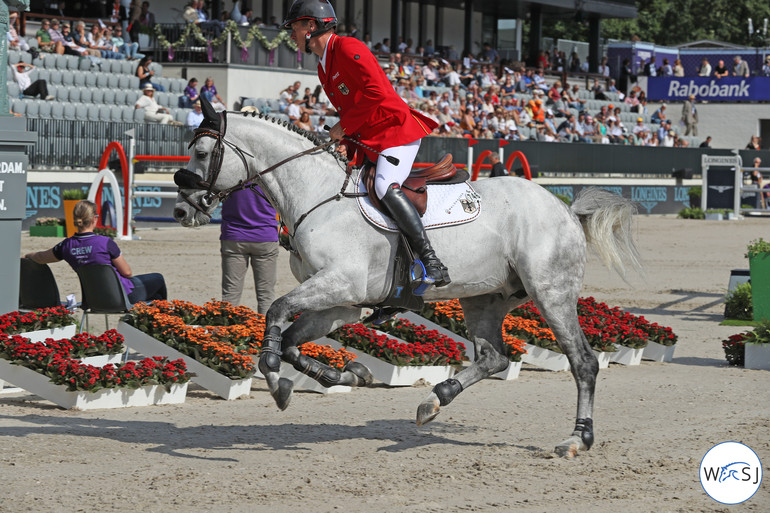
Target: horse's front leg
{"type": "Point", "coordinates": [316, 299]}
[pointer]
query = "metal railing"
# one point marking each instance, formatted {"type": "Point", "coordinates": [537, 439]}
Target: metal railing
{"type": "Point", "coordinates": [80, 144]}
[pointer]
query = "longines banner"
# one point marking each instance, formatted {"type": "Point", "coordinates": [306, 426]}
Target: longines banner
{"type": "Point", "coordinates": [731, 89]}
{"type": "Point", "coordinates": [651, 199]}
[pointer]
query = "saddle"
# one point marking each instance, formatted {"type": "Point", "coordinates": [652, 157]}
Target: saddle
{"type": "Point", "coordinates": [415, 187]}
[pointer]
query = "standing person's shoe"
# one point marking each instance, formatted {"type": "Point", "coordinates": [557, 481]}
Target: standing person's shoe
{"type": "Point", "coordinates": [408, 220]}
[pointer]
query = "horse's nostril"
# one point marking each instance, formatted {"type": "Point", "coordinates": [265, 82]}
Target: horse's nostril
{"type": "Point", "coordinates": [179, 213]}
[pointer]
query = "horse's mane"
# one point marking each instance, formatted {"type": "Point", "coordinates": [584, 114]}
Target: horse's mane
{"type": "Point", "coordinates": [288, 125]}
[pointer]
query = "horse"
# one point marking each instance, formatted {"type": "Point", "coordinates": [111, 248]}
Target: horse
{"type": "Point", "coordinates": [526, 244]}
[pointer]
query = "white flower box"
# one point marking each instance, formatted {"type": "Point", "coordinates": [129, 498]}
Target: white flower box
{"type": "Point", "coordinates": [7, 388]}
{"type": "Point", "coordinates": [414, 318]}
{"type": "Point", "coordinates": [545, 358]}
{"type": "Point", "coordinates": [757, 356]}
{"type": "Point", "coordinates": [206, 377]}
{"type": "Point", "coordinates": [41, 385]}
{"type": "Point", "coordinates": [512, 372]}
{"type": "Point", "coordinates": [604, 358]}
{"type": "Point", "coordinates": [54, 333]}
{"type": "Point", "coordinates": [627, 356]}
{"type": "Point", "coordinates": [394, 375]}
{"type": "Point", "coordinates": [658, 352]}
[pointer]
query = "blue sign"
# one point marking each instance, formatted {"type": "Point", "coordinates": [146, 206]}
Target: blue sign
{"type": "Point", "coordinates": [729, 89]}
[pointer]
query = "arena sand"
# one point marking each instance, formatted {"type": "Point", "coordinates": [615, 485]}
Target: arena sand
{"type": "Point", "coordinates": [490, 450]}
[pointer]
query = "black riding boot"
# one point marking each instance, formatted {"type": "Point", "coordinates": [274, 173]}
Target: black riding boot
{"type": "Point", "coordinates": [408, 220]}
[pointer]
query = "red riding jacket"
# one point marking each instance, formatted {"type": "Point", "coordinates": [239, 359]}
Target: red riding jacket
{"type": "Point", "coordinates": [369, 108]}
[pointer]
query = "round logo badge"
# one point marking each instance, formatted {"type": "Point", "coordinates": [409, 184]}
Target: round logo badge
{"type": "Point", "coordinates": [731, 473]}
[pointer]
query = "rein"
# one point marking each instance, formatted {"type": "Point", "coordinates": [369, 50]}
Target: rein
{"type": "Point", "coordinates": [189, 180]}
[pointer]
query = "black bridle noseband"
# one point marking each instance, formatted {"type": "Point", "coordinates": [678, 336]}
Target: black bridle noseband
{"type": "Point", "coordinates": [188, 180]}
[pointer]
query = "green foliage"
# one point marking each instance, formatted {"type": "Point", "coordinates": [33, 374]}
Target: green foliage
{"type": "Point", "coordinates": [565, 199]}
{"type": "Point", "coordinates": [106, 231]}
{"type": "Point", "coordinates": [49, 221]}
{"type": "Point", "coordinates": [672, 22]}
{"type": "Point", "coordinates": [756, 247]}
{"type": "Point", "coordinates": [74, 194]}
{"type": "Point", "coordinates": [695, 190]}
{"type": "Point", "coordinates": [761, 334]}
{"type": "Point", "coordinates": [738, 303]}
{"type": "Point", "coordinates": [691, 213]}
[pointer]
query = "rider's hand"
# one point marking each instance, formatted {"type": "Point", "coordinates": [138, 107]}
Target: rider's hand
{"type": "Point", "coordinates": [336, 133]}
{"type": "Point", "coordinates": [342, 149]}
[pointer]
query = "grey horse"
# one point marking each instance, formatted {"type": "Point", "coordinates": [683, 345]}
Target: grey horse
{"type": "Point", "coordinates": [525, 244]}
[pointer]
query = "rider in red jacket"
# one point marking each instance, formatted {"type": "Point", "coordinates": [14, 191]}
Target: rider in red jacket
{"type": "Point", "coordinates": [370, 113]}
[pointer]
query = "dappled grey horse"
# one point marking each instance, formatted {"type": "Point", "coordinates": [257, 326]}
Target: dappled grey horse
{"type": "Point", "coordinates": [525, 244]}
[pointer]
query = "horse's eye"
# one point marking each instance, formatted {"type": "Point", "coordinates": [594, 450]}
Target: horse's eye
{"type": "Point", "coordinates": [200, 155]}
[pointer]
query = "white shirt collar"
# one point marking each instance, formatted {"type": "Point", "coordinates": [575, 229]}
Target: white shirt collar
{"type": "Point", "coordinates": [323, 57]}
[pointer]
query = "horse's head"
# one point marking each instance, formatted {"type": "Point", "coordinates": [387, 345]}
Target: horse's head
{"type": "Point", "coordinates": [212, 172]}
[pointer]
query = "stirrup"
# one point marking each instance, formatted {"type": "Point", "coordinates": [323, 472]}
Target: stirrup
{"type": "Point", "coordinates": [423, 281]}
{"type": "Point", "coordinates": [381, 315]}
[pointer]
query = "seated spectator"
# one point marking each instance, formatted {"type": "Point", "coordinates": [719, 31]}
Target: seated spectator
{"type": "Point", "coordinates": [669, 140]}
{"type": "Point", "coordinates": [598, 91]}
{"type": "Point", "coordinates": [153, 113]}
{"type": "Point", "coordinates": [659, 115]}
{"type": "Point", "coordinates": [145, 74]}
{"type": "Point", "coordinates": [200, 18]}
{"type": "Point", "coordinates": [604, 68]}
{"type": "Point", "coordinates": [88, 248]}
{"type": "Point", "coordinates": [304, 122]}
{"type": "Point", "coordinates": [70, 46]}
{"type": "Point", "coordinates": [129, 50]}
{"type": "Point", "coordinates": [63, 39]}
{"type": "Point", "coordinates": [293, 110]}
{"type": "Point", "coordinates": [553, 93]}
{"type": "Point", "coordinates": [191, 95]}
{"type": "Point", "coordinates": [28, 88]}
{"type": "Point", "coordinates": [80, 37]}
{"type": "Point", "coordinates": [195, 116]}
{"type": "Point", "coordinates": [98, 41]}
{"type": "Point", "coordinates": [631, 99]}
{"type": "Point", "coordinates": [14, 41]}
{"type": "Point", "coordinates": [539, 80]}
{"type": "Point", "coordinates": [44, 42]}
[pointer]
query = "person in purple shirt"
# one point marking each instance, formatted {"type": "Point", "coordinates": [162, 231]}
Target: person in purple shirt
{"type": "Point", "coordinates": [209, 91]}
{"type": "Point", "coordinates": [249, 235]}
{"type": "Point", "coordinates": [190, 94]}
{"type": "Point", "coordinates": [86, 248]}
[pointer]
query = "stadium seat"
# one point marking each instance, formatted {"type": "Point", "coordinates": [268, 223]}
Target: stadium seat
{"type": "Point", "coordinates": [42, 74]}
{"type": "Point", "coordinates": [13, 90]}
{"type": "Point", "coordinates": [19, 106]}
{"type": "Point", "coordinates": [163, 82]}
{"type": "Point", "coordinates": [90, 78]}
{"type": "Point", "coordinates": [127, 113]}
{"type": "Point", "coordinates": [49, 60]}
{"type": "Point", "coordinates": [138, 115]}
{"type": "Point", "coordinates": [33, 109]}
{"type": "Point", "coordinates": [44, 109]}
{"type": "Point", "coordinates": [74, 94]}
{"type": "Point", "coordinates": [157, 68]}
{"type": "Point", "coordinates": [25, 57]}
{"type": "Point", "coordinates": [124, 82]}
{"type": "Point", "coordinates": [85, 95]}
{"type": "Point", "coordinates": [134, 83]}
{"type": "Point", "coordinates": [79, 78]}
{"type": "Point", "coordinates": [14, 56]}
{"type": "Point", "coordinates": [108, 97]}
{"type": "Point", "coordinates": [125, 67]}
{"type": "Point", "coordinates": [93, 112]}
{"type": "Point", "coordinates": [55, 78]}
{"type": "Point", "coordinates": [61, 62]}
{"type": "Point", "coordinates": [69, 111]}
{"type": "Point", "coordinates": [131, 96]}
{"type": "Point", "coordinates": [62, 94]}
{"type": "Point", "coordinates": [116, 114]}
{"type": "Point", "coordinates": [57, 110]}
{"type": "Point", "coordinates": [84, 64]}
{"type": "Point", "coordinates": [102, 79]}
{"type": "Point", "coordinates": [97, 96]}
{"type": "Point", "coordinates": [73, 62]}
{"type": "Point", "coordinates": [181, 115]}
{"type": "Point", "coordinates": [67, 77]}
{"type": "Point", "coordinates": [120, 97]}
{"type": "Point", "coordinates": [81, 112]}
{"type": "Point", "coordinates": [112, 81]}
{"type": "Point", "coordinates": [38, 62]}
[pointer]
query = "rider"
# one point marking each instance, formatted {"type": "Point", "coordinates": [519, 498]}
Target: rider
{"type": "Point", "coordinates": [371, 113]}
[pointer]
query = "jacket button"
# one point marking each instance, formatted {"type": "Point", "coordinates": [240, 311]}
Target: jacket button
{"type": "Point", "coordinates": [358, 135]}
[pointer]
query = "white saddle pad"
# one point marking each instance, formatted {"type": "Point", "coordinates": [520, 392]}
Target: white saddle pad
{"type": "Point", "coordinates": [447, 205]}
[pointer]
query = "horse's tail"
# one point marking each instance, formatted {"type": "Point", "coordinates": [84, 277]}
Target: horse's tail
{"type": "Point", "coordinates": [607, 222]}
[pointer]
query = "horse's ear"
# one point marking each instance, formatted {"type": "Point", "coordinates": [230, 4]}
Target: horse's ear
{"type": "Point", "coordinates": [211, 119]}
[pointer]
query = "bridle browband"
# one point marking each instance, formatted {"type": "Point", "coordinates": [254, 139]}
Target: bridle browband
{"type": "Point", "coordinates": [189, 180]}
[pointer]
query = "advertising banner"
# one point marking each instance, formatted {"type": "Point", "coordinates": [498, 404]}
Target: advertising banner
{"type": "Point", "coordinates": [728, 89]}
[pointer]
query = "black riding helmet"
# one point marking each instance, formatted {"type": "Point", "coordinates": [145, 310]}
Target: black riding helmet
{"type": "Point", "coordinates": [319, 10]}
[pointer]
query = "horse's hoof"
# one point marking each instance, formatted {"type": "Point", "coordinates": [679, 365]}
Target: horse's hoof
{"type": "Point", "coordinates": [281, 392]}
{"type": "Point", "coordinates": [428, 410]}
{"type": "Point", "coordinates": [570, 447]}
{"type": "Point", "coordinates": [361, 372]}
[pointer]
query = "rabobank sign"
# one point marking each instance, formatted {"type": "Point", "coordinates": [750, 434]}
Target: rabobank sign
{"type": "Point", "coordinates": [708, 88]}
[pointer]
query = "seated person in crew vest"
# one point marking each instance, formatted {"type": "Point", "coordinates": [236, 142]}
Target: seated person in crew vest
{"type": "Point", "coordinates": [86, 248]}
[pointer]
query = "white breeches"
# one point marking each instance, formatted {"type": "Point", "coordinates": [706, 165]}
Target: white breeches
{"type": "Point", "coordinates": [387, 173]}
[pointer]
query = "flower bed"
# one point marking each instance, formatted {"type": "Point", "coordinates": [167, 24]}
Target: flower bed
{"type": "Point", "coordinates": [54, 371]}
{"type": "Point", "coordinates": [15, 323]}
{"type": "Point", "coordinates": [422, 347]}
{"type": "Point", "coordinates": [750, 349]}
{"type": "Point", "coordinates": [226, 344]}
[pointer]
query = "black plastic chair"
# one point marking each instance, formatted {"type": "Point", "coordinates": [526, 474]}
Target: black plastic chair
{"type": "Point", "coordinates": [102, 292]}
{"type": "Point", "coordinates": [37, 286]}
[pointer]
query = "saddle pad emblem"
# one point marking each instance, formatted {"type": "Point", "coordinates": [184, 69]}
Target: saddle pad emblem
{"type": "Point", "coordinates": [447, 205]}
{"type": "Point", "coordinates": [343, 88]}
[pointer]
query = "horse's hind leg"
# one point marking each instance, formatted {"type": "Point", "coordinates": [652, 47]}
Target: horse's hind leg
{"type": "Point", "coordinates": [484, 317]}
{"type": "Point", "coordinates": [561, 315]}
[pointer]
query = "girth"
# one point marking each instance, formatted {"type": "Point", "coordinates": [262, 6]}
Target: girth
{"type": "Point", "coordinates": [415, 186]}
